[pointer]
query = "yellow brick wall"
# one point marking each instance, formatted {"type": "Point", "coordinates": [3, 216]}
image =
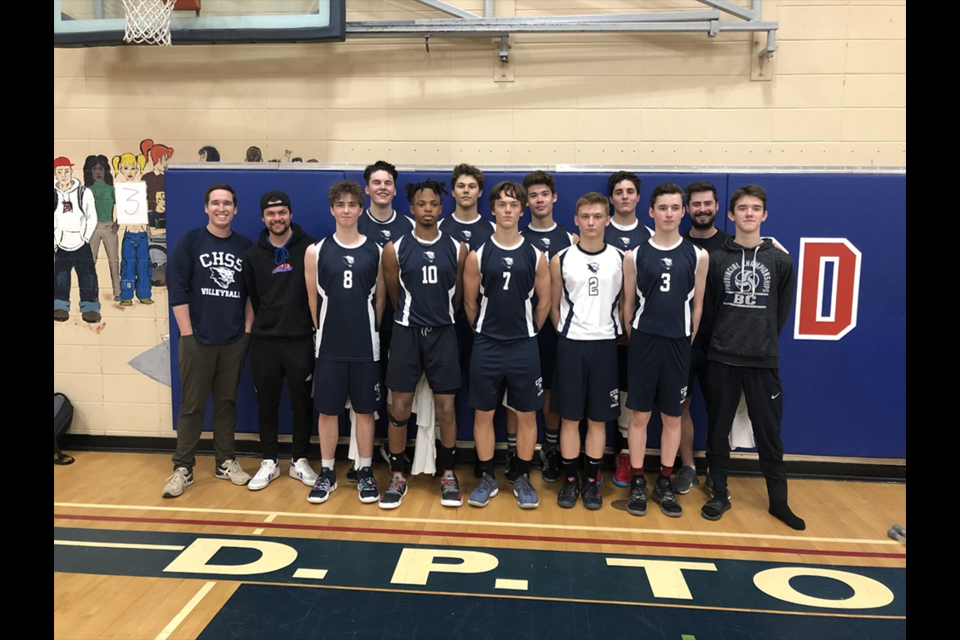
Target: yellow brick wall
{"type": "Point", "coordinates": [838, 98]}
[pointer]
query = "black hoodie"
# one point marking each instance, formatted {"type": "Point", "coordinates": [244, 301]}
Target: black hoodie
{"type": "Point", "coordinates": [751, 291]}
{"type": "Point", "coordinates": [277, 287]}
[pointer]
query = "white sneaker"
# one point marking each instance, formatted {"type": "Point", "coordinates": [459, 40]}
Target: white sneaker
{"type": "Point", "coordinates": [302, 471]}
{"type": "Point", "coordinates": [232, 471]}
{"type": "Point", "coordinates": [269, 471]}
{"type": "Point", "coordinates": [180, 480]}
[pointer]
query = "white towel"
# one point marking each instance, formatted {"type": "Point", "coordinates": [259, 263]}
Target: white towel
{"type": "Point", "coordinates": [425, 450]}
{"type": "Point", "coordinates": [741, 434]}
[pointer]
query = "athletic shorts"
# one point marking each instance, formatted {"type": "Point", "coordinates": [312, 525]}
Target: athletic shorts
{"type": "Point", "coordinates": [517, 363]}
{"type": "Point", "coordinates": [337, 380]}
{"type": "Point", "coordinates": [586, 381]}
{"type": "Point", "coordinates": [464, 338]}
{"type": "Point", "coordinates": [698, 370]}
{"type": "Point", "coordinates": [658, 373]}
{"type": "Point", "coordinates": [547, 343]}
{"type": "Point", "coordinates": [416, 351]}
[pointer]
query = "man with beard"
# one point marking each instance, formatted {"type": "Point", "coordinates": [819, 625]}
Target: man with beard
{"type": "Point", "coordinates": [282, 337]}
{"type": "Point", "coordinates": [702, 207]}
{"type": "Point", "coordinates": [423, 272]}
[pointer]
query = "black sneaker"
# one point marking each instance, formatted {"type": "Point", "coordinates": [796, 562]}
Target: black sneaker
{"type": "Point", "coordinates": [551, 464]}
{"type": "Point", "coordinates": [591, 495]}
{"type": "Point", "coordinates": [513, 467]}
{"type": "Point", "coordinates": [637, 502]}
{"type": "Point", "coordinates": [352, 474]}
{"type": "Point", "coordinates": [569, 492]}
{"type": "Point", "coordinates": [663, 494]}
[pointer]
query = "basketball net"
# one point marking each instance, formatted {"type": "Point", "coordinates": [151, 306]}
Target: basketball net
{"type": "Point", "coordinates": [148, 21]}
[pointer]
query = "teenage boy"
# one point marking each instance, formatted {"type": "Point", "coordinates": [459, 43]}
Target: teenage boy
{"type": "Point", "coordinates": [663, 282]}
{"type": "Point", "coordinates": [624, 232]}
{"type": "Point", "coordinates": [550, 238]}
{"type": "Point", "coordinates": [282, 337]}
{"type": "Point", "coordinates": [702, 207]}
{"type": "Point", "coordinates": [585, 307]}
{"type": "Point", "coordinates": [423, 271]}
{"type": "Point", "coordinates": [510, 279]}
{"type": "Point", "coordinates": [344, 279]}
{"type": "Point", "coordinates": [465, 224]}
{"type": "Point", "coordinates": [751, 288]}
{"type": "Point", "coordinates": [214, 316]}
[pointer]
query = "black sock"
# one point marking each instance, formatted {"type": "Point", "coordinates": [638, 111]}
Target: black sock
{"type": "Point", "coordinates": [781, 511]}
{"type": "Point", "coordinates": [523, 466]}
{"type": "Point", "coordinates": [511, 443]}
{"type": "Point", "coordinates": [570, 469]}
{"type": "Point", "coordinates": [551, 439]}
{"type": "Point", "coordinates": [446, 458]}
{"type": "Point", "coordinates": [487, 467]}
{"type": "Point", "coordinates": [592, 468]}
{"type": "Point", "coordinates": [396, 461]}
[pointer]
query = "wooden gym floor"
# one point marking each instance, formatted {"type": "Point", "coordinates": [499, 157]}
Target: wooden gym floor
{"type": "Point", "coordinates": [225, 562]}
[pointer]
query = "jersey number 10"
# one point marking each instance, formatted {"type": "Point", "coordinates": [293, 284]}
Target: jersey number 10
{"type": "Point", "coordinates": [430, 274]}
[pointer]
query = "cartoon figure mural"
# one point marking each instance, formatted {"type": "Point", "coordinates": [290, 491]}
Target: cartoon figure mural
{"type": "Point", "coordinates": [159, 156]}
{"type": "Point", "coordinates": [98, 179]}
{"type": "Point", "coordinates": [74, 221]}
{"type": "Point", "coordinates": [135, 266]}
{"type": "Point", "coordinates": [208, 154]}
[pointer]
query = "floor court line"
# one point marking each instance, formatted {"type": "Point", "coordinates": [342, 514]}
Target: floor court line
{"type": "Point", "coordinates": [190, 606]}
{"type": "Point", "coordinates": [486, 536]}
{"type": "Point", "coordinates": [119, 545]}
{"type": "Point", "coordinates": [515, 525]}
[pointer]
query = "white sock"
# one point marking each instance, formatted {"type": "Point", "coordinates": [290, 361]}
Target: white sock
{"type": "Point", "coordinates": [362, 463]}
{"type": "Point", "coordinates": [328, 464]}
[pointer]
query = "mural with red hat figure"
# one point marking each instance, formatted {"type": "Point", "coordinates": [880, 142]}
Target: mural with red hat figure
{"type": "Point", "coordinates": [74, 221]}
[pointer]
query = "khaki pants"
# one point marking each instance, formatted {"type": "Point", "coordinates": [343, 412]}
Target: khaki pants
{"type": "Point", "coordinates": [106, 233]}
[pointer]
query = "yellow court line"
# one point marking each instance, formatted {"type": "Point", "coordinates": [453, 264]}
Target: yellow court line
{"type": "Point", "coordinates": [119, 545]}
{"type": "Point", "coordinates": [190, 606]}
{"type": "Point", "coordinates": [742, 536]}
{"type": "Point", "coordinates": [501, 595]}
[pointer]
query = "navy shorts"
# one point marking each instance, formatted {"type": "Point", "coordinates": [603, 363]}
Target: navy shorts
{"type": "Point", "coordinates": [337, 380]}
{"type": "Point", "coordinates": [547, 342]}
{"type": "Point", "coordinates": [586, 383]}
{"type": "Point", "coordinates": [658, 373]}
{"type": "Point", "coordinates": [517, 363]}
{"type": "Point", "coordinates": [416, 351]}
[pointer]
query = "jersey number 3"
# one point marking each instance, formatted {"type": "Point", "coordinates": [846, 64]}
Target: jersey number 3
{"type": "Point", "coordinates": [664, 282]}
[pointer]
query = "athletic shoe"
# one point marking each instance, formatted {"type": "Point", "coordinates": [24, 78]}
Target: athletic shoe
{"type": "Point", "coordinates": [637, 502]}
{"type": "Point", "coordinates": [591, 495]}
{"type": "Point", "coordinates": [232, 471]}
{"type": "Point", "coordinates": [526, 496]}
{"type": "Point", "coordinates": [302, 471]}
{"type": "Point", "coordinates": [180, 480]}
{"type": "Point", "coordinates": [480, 497]}
{"type": "Point", "coordinates": [709, 485]}
{"type": "Point", "coordinates": [685, 480]}
{"type": "Point", "coordinates": [714, 509]}
{"type": "Point", "coordinates": [268, 472]}
{"type": "Point", "coordinates": [569, 492]}
{"type": "Point", "coordinates": [450, 495]}
{"type": "Point", "coordinates": [513, 467]}
{"type": "Point", "coordinates": [663, 494]}
{"type": "Point", "coordinates": [325, 484]}
{"type": "Point", "coordinates": [551, 464]}
{"type": "Point", "coordinates": [623, 476]}
{"type": "Point", "coordinates": [393, 496]}
{"type": "Point", "coordinates": [92, 317]}
{"type": "Point", "coordinates": [367, 486]}
{"type": "Point", "coordinates": [59, 315]}
{"type": "Point", "coordinates": [126, 303]}
{"type": "Point", "coordinates": [146, 300]}
{"type": "Point", "coordinates": [352, 474]}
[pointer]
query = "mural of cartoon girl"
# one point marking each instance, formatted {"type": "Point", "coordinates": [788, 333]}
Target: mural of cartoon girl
{"type": "Point", "coordinates": [98, 179]}
{"type": "Point", "coordinates": [135, 266]}
{"type": "Point", "coordinates": [159, 155]}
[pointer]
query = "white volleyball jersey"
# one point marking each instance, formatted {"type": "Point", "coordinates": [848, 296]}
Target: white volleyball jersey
{"type": "Point", "coordinates": [589, 306]}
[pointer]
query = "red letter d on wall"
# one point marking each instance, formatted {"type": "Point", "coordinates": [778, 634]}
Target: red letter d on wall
{"type": "Point", "coordinates": [828, 289]}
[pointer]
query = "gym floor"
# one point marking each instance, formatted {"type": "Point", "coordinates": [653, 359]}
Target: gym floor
{"type": "Point", "coordinates": [225, 562]}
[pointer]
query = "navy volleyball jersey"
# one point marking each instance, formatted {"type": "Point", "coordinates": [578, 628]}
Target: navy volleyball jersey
{"type": "Point", "coordinates": [346, 305]}
{"type": "Point", "coordinates": [507, 290]}
{"type": "Point", "coordinates": [473, 234]}
{"type": "Point", "coordinates": [627, 237]}
{"type": "Point", "coordinates": [384, 232]}
{"type": "Point", "coordinates": [666, 280]}
{"type": "Point", "coordinates": [550, 241]}
{"type": "Point", "coordinates": [428, 280]}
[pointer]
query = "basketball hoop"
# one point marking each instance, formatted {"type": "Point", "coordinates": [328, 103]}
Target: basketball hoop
{"type": "Point", "coordinates": [148, 21]}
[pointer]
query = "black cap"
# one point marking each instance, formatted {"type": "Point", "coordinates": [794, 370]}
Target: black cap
{"type": "Point", "coordinates": [274, 199]}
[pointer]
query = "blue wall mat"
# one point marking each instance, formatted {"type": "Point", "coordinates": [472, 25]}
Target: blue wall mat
{"type": "Point", "coordinates": [842, 398]}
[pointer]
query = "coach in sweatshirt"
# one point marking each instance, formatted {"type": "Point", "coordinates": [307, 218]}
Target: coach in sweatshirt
{"type": "Point", "coordinates": [282, 344]}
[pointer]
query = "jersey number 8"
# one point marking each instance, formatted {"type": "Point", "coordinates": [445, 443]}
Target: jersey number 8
{"type": "Point", "coordinates": [348, 279]}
